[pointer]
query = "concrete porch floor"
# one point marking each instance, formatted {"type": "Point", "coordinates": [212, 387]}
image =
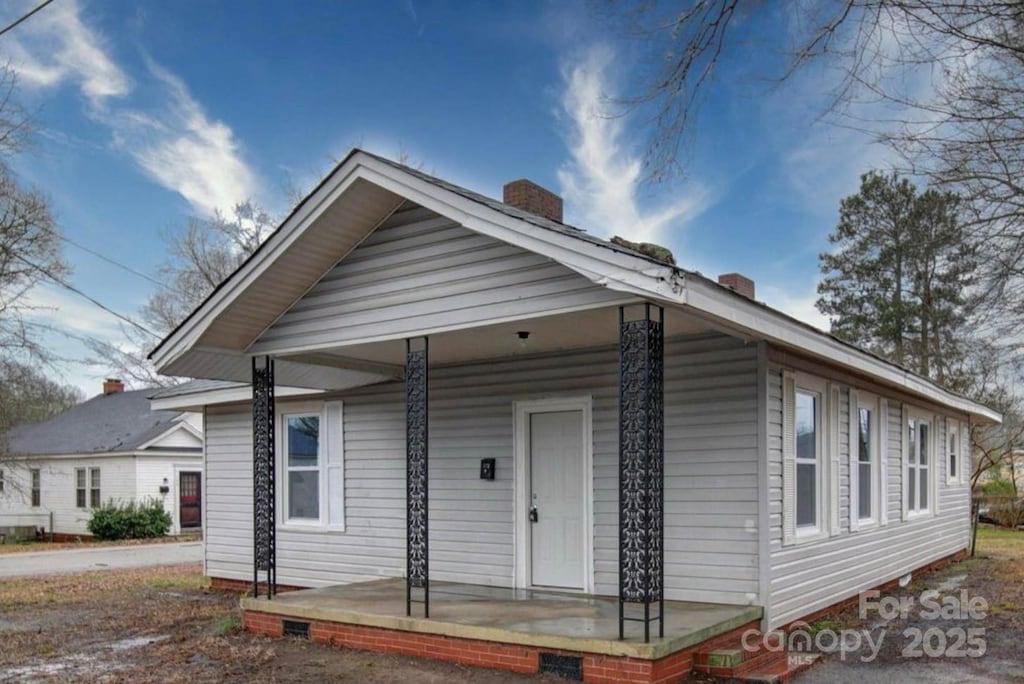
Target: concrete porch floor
{"type": "Point", "coordinates": [551, 620]}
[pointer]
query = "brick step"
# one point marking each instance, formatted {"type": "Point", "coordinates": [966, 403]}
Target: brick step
{"type": "Point", "coordinates": [781, 672]}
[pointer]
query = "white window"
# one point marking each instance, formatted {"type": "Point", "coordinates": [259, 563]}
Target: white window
{"type": "Point", "coordinates": [94, 487]}
{"type": "Point", "coordinates": [918, 488]}
{"type": "Point", "coordinates": [810, 407]}
{"type": "Point", "coordinates": [81, 490]}
{"type": "Point", "coordinates": [808, 460]}
{"type": "Point", "coordinates": [956, 435]}
{"type": "Point", "coordinates": [37, 487]}
{"type": "Point", "coordinates": [865, 459]}
{"type": "Point", "coordinates": [312, 466]}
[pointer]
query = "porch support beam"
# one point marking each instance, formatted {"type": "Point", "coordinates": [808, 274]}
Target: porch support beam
{"type": "Point", "coordinates": [264, 542]}
{"type": "Point", "coordinates": [416, 498]}
{"type": "Point", "coordinates": [641, 467]}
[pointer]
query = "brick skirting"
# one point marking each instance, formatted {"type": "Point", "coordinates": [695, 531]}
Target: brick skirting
{"type": "Point", "coordinates": [245, 587]}
{"type": "Point", "coordinates": [597, 668]}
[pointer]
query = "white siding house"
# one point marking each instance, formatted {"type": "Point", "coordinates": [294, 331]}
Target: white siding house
{"type": "Point", "coordinates": [109, 448]}
{"type": "Point", "coordinates": [770, 492]}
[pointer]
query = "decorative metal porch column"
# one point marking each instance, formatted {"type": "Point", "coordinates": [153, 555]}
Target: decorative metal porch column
{"type": "Point", "coordinates": [416, 499]}
{"type": "Point", "coordinates": [641, 468]}
{"type": "Point", "coordinates": [264, 543]}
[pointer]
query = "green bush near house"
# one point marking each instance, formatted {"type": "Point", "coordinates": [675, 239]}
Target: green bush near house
{"type": "Point", "coordinates": [132, 520]}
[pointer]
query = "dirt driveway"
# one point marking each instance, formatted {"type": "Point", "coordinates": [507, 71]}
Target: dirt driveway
{"type": "Point", "coordinates": [976, 606]}
{"type": "Point", "coordinates": [163, 625]}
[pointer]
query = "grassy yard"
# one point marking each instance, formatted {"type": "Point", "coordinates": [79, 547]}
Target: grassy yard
{"type": "Point", "coordinates": [166, 625]}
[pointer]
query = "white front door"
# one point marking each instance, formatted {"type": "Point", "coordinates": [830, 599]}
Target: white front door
{"type": "Point", "coordinates": [557, 500]}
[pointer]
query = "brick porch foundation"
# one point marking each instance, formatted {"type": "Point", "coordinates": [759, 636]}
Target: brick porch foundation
{"type": "Point", "coordinates": [597, 668]}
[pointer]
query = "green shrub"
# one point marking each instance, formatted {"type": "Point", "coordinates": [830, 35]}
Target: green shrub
{"type": "Point", "coordinates": [132, 520]}
{"type": "Point", "coordinates": [999, 486]}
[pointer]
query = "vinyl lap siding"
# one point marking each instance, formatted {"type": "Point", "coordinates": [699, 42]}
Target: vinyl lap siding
{"type": "Point", "coordinates": [810, 576]}
{"type": "Point", "coordinates": [421, 271]}
{"type": "Point", "coordinates": [711, 475]}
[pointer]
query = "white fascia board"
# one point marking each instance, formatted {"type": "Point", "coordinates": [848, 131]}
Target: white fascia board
{"type": "Point", "coordinates": [781, 329]}
{"type": "Point", "coordinates": [185, 337]}
{"type": "Point", "coordinates": [602, 265]}
{"type": "Point", "coordinates": [181, 425]}
{"type": "Point", "coordinates": [229, 395]}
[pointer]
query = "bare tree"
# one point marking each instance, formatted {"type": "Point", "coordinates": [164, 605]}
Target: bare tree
{"type": "Point", "coordinates": [200, 256]}
{"type": "Point", "coordinates": [27, 395]}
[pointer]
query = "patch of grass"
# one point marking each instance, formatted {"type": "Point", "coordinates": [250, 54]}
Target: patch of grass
{"type": "Point", "coordinates": [834, 623]}
{"type": "Point", "coordinates": [226, 625]}
{"type": "Point", "coordinates": [181, 580]}
{"type": "Point", "coordinates": [86, 586]}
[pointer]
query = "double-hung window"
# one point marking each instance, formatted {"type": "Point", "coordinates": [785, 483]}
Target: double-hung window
{"type": "Point", "coordinates": [865, 424]}
{"type": "Point", "coordinates": [37, 487]}
{"type": "Point", "coordinates": [919, 464]}
{"type": "Point", "coordinates": [957, 438]}
{"type": "Point", "coordinates": [94, 487]}
{"type": "Point", "coordinates": [312, 467]}
{"type": "Point", "coordinates": [80, 488]}
{"type": "Point", "coordinates": [807, 426]}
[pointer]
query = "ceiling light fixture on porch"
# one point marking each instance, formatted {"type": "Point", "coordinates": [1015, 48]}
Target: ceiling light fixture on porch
{"type": "Point", "coordinates": [523, 336]}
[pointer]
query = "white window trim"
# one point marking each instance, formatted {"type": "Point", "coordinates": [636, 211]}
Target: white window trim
{"type": "Point", "coordinates": [84, 488]}
{"type": "Point", "coordinates": [330, 440]}
{"type": "Point", "coordinates": [859, 399]}
{"type": "Point", "coordinates": [954, 427]}
{"type": "Point", "coordinates": [918, 416]}
{"type": "Point", "coordinates": [822, 528]}
{"type": "Point", "coordinates": [88, 493]}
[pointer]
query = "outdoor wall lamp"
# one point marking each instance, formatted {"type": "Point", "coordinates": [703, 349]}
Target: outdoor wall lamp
{"type": "Point", "coordinates": [523, 336]}
{"type": "Point", "coordinates": [165, 487]}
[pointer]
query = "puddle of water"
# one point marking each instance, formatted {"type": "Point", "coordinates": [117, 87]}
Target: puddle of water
{"type": "Point", "coordinates": [135, 642]}
{"type": "Point", "coordinates": [78, 663]}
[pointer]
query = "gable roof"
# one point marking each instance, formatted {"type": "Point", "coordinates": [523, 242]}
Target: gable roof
{"type": "Point", "coordinates": [106, 423]}
{"type": "Point", "coordinates": [365, 189]}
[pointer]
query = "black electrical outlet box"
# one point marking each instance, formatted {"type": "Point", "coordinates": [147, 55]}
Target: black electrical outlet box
{"type": "Point", "coordinates": [487, 467]}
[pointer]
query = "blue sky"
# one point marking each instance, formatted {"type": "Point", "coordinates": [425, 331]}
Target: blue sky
{"type": "Point", "coordinates": [150, 112]}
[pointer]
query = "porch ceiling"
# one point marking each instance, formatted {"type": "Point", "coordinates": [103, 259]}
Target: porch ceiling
{"type": "Point", "coordinates": [563, 332]}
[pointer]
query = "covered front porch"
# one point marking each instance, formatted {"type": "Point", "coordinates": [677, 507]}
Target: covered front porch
{"type": "Point", "coordinates": [523, 630]}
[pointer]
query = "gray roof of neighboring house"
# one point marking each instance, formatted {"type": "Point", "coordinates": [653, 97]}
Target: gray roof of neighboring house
{"type": "Point", "coordinates": [121, 421]}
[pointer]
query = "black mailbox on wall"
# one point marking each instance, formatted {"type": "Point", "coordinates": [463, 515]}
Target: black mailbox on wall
{"type": "Point", "coordinates": [487, 466]}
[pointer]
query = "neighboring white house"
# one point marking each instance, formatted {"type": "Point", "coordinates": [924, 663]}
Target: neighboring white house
{"type": "Point", "coordinates": [796, 469]}
{"type": "Point", "coordinates": [111, 447]}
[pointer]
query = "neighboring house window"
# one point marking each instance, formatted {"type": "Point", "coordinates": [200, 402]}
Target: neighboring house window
{"type": "Point", "coordinates": [37, 487]}
{"type": "Point", "coordinates": [311, 455]}
{"type": "Point", "coordinates": [80, 488]}
{"type": "Point", "coordinates": [94, 487]}
{"type": "Point", "coordinates": [808, 459]}
{"type": "Point", "coordinates": [1, 481]}
{"type": "Point", "coordinates": [919, 460]}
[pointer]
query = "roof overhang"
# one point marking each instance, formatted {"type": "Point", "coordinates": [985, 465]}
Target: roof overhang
{"type": "Point", "coordinates": [216, 340]}
{"type": "Point", "coordinates": [195, 401]}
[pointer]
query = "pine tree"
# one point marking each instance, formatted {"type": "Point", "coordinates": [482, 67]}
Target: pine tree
{"type": "Point", "coordinates": [896, 281]}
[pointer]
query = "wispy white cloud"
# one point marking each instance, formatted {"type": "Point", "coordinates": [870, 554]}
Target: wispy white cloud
{"type": "Point", "coordinates": [57, 46]}
{"type": "Point", "coordinates": [171, 138]}
{"type": "Point", "coordinates": [63, 310]}
{"type": "Point", "coordinates": [180, 147]}
{"type": "Point", "coordinates": [601, 181]}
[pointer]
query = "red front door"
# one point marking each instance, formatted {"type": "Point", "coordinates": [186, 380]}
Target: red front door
{"type": "Point", "coordinates": [190, 503]}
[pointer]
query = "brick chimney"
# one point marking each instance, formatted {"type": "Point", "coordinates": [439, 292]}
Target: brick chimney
{"type": "Point", "coordinates": [528, 196]}
{"type": "Point", "coordinates": [738, 283]}
{"type": "Point", "coordinates": [112, 386]}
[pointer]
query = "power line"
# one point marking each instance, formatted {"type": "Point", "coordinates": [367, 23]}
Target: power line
{"type": "Point", "coordinates": [109, 260]}
{"type": "Point", "coordinates": [24, 17]}
{"type": "Point", "coordinates": [68, 286]}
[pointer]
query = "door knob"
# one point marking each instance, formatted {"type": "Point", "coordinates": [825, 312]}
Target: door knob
{"type": "Point", "coordinates": [533, 514]}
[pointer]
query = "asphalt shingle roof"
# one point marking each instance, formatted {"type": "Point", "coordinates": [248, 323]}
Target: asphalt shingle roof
{"type": "Point", "coordinates": [105, 423]}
